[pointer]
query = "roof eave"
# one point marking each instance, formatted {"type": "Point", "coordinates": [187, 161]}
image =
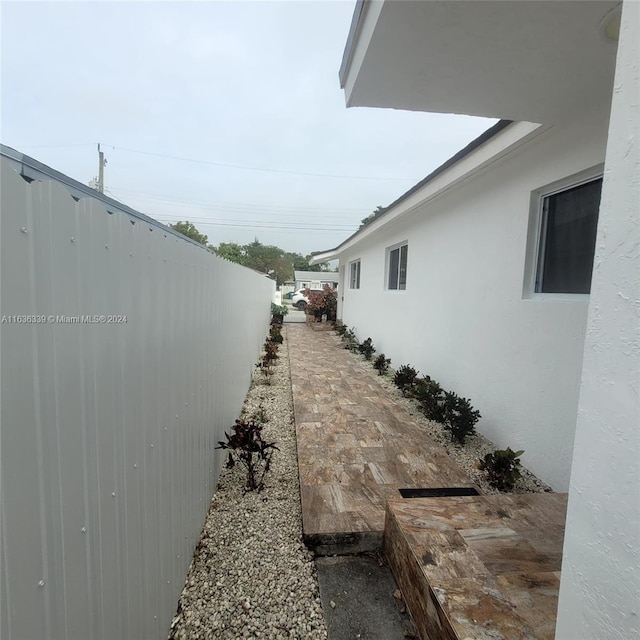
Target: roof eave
{"type": "Point", "coordinates": [347, 56]}
{"type": "Point", "coordinates": [383, 218]}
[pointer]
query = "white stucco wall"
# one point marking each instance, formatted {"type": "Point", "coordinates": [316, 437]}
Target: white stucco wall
{"type": "Point", "coordinates": [600, 588]}
{"type": "Point", "coordinates": [463, 319]}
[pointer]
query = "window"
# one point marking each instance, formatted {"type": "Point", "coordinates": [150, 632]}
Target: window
{"type": "Point", "coordinates": [567, 238]}
{"type": "Point", "coordinates": [397, 267]}
{"type": "Point", "coordinates": [354, 275]}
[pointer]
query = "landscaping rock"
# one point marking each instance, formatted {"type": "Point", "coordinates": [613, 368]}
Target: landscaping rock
{"type": "Point", "coordinates": [251, 575]}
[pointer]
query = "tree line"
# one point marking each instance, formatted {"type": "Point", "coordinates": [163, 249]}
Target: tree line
{"type": "Point", "coordinates": [266, 258]}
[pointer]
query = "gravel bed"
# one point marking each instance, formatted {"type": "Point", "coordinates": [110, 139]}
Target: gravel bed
{"type": "Point", "coordinates": [467, 455]}
{"type": "Point", "coordinates": [251, 575]}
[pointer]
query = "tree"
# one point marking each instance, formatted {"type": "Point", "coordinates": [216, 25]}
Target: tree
{"type": "Point", "coordinates": [301, 263]}
{"type": "Point", "coordinates": [231, 251]}
{"type": "Point", "coordinates": [372, 216]}
{"type": "Point", "coordinates": [270, 260]}
{"type": "Point", "coordinates": [266, 258]}
{"type": "Point", "coordinates": [189, 229]}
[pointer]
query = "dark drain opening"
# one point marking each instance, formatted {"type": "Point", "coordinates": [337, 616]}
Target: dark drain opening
{"type": "Point", "coordinates": [438, 492]}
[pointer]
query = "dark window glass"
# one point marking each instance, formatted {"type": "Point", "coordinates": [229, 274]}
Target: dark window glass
{"type": "Point", "coordinates": [398, 268]}
{"type": "Point", "coordinates": [402, 279]}
{"type": "Point", "coordinates": [394, 260]}
{"type": "Point", "coordinates": [355, 275]}
{"type": "Point", "coordinates": [568, 239]}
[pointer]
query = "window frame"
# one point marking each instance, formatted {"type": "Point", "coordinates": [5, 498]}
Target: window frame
{"type": "Point", "coordinates": [387, 271]}
{"type": "Point", "coordinates": [355, 269]}
{"type": "Point", "coordinates": [536, 233]}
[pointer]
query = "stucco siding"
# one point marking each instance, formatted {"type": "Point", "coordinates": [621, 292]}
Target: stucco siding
{"type": "Point", "coordinates": [463, 318]}
{"type": "Point", "coordinates": [600, 588]}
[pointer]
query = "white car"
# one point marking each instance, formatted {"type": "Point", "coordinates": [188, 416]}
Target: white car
{"type": "Point", "coordinates": [299, 300]}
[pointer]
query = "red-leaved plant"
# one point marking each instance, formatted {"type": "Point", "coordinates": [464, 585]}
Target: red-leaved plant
{"type": "Point", "coordinates": [251, 450]}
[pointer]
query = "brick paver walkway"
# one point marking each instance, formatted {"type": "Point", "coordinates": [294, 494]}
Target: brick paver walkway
{"type": "Point", "coordinates": [356, 446]}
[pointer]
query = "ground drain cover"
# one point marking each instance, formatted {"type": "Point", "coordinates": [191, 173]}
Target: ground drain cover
{"type": "Point", "coordinates": [438, 492]}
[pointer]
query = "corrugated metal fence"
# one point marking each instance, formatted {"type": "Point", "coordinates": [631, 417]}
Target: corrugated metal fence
{"type": "Point", "coordinates": [125, 352]}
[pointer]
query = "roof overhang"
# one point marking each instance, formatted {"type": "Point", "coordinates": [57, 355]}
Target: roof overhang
{"type": "Point", "coordinates": [527, 60]}
{"type": "Point", "coordinates": [493, 146]}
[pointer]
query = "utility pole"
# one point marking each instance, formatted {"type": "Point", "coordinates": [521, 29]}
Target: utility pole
{"type": "Point", "coordinates": [101, 163]}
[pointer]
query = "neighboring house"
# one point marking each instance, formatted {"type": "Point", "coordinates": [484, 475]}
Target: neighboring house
{"type": "Point", "coordinates": [287, 288]}
{"type": "Point", "coordinates": [483, 275]}
{"type": "Point", "coordinates": [315, 279]}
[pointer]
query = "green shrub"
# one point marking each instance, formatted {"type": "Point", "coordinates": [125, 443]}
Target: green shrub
{"type": "Point", "coordinates": [404, 378]}
{"type": "Point", "coordinates": [381, 364]}
{"type": "Point", "coordinates": [502, 468]}
{"type": "Point", "coordinates": [279, 310]}
{"type": "Point", "coordinates": [459, 417]}
{"type": "Point", "coordinates": [340, 327]}
{"type": "Point", "coordinates": [430, 396]}
{"type": "Point", "coordinates": [350, 340]}
{"type": "Point", "coordinates": [366, 348]}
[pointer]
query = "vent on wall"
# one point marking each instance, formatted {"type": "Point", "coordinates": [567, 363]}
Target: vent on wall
{"type": "Point", "coordinates": [438, 492]}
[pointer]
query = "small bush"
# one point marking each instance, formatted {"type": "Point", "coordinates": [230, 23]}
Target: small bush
{"type": "Point", "coordinates": [275, 333]}
{"type": "Point", "coordinates": [430, 396]}
{"type": "Point", "coordinates": [322, 302]}
{"type": "Point", "coordinates": [350, 340]}
{"type": "Point", "coordinates": [270, 351]}
{"type": "Point", "coordinates": [367, 349]}
{"type": "Point", "coordinates": [340, 327]}
{"type": "Point", "coordinates": [405, 377]}
{"type": "Point", "coordinates": [278, 312]}
{"type": "Point", "coordinates": [266, 369]}
{"type": "Point", "coordinates": [502, 468]}
{"type": "Point", "coordinates": [459, 417]}
{"type": "Point", "coordinates": [252, 452]}
{"type": "Point", "coordinates": [381, 364]}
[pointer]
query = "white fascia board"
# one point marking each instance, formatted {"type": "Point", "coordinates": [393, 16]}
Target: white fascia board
{"type": "Point", "coordinates": [365, 28]}
{"type": "Point", "coordinates": [324, 257]}
{"type": "Point", "coordinates": [492, 151]}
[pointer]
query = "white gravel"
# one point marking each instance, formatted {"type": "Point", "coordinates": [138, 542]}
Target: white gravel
{"type": "Point", "coordinates": [251, 575]}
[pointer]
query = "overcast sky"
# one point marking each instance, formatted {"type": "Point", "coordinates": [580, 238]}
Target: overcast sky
{"type": "Point", "coordinates": [244, 97]}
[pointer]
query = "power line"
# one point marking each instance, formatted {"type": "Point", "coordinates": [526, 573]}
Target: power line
{"type": "Point", "coordinates": [275, 224]}
{"type": "Point", "coordinates": [216, 164]}
{"type": "Point", "coordinates": [252, 224]}
{"type": "Point", "coordinates": [246, 168]}
{"type": "Point", "coordinates": [241, 210]}
{"type": "Point", "coordinates": [240, 205]}
{"type": "Point", "coordinates": [277, 219]}
{"type": "Point", "coordinates": [255, 225]}
{"type": "Point", "coordinates": [56, 146]}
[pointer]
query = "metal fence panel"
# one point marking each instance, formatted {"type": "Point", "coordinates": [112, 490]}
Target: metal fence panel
{"type": "Point", "coordinates": [107, 430]}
